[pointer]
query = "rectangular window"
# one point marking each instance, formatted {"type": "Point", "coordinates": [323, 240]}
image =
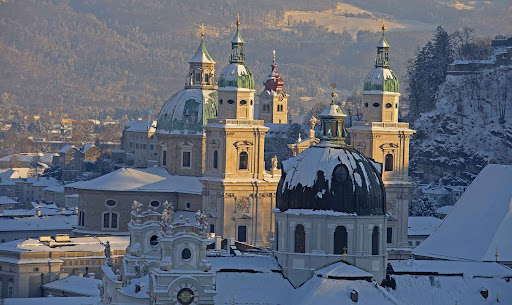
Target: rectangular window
{"type": "Point", "coordinates": [144, 146]}
{"type": "Point", "coordinates": [114, 221]}
{"type": "Point", "coordinates": [242, 234]}
{"type": "Point", "coordinates": [164, 157]}
{"type": "Point", "coordinates": [207, 78]}
{"type": "Point", "coordinates": [212, 228]}
{"type": "Point", "coordinates": [137, 145]}
{"type": "Point", "coordinates": [131, 144]}
{"type": "Point", "coordinates": [185, 156]}
{"type": "Point", "coordinates": [36, 269]}
{"type": "Point", "coordinates": [198, 77]}
{"type": "Point", "coordinates": [390, 235]}
{"type": "Point", "coordinates": [152, 147]}
{"type": "Point", "coordinates": [106, 220]}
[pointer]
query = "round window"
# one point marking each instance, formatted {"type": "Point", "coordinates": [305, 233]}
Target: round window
{"type": "Point", "coordinates": [153, 241]}
{"type": "Point", "coordinates": [376, 105]}
{"type": "Point", "coordinates": [111, 203]}
{"type": "Point", "coordinates": [388, 105]}
{"type": "Point", "coordinates": [366, 105]}
{"type": "Point", "coordinates": [186, 254]}
{"type": "Point", "coordinates": [231, 102]}
{"type": "Point", "coordinates": [340, 173]}
{"type": "Point", "coordinates": [154, 203]}
{"type": "Point", "coordinates": [188, 205]}
{"type": "Point", "coordinates": [243, 102]}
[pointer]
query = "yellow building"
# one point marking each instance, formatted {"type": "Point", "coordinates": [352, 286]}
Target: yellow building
{"type": "Point", "coordinates": [381, 137]}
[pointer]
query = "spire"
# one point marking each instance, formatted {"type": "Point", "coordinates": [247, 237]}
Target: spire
{"type": "Point", "coordinates": [274, 82]}
{"type": "Point", "coordinates": [382, 59]}
{"type": "Point", "coordinates": [202, 55]}
{"type": "Point", "coordinates": [332, 122]}
{"type": "Point", "coordinates": [237, 45]}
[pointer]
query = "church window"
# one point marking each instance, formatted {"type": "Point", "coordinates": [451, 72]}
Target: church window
{"type": "Point", "coordinates": [251, 102]}
{"type": "Point", "coordinates": [185, 159]}
{"type": "Point", "coordinates": [243, 102]}
{"type": "Point", "coordinates": [300, 239]}
{"type": "Point", "coordinates": [212, 228]}
{"type": "Point", "coordinates": [198, 77]}
{"type": "Point", "coordinates": [242, 234]}
{"type": "Point", "coordinates": [110, 220]}
{"type": "Point", "coordinates": [154, 203]}
{"type": "Point", "coordinates": [231, 102]}
{"type": "Point", "coordinates": [186, 254]}
{"type": "Point", "coordinates": [111, 203]}
{"type": "Point", "coordinates": [388, 105]}
{"type": "Point", "coordinates": [244, 160]}
{"type": "Point", "coordinates": [215, 159]}
{"type": "Point", "coordinates": [106, 220]}
{"type": "Point", "coordinates": [187, 205]}
{"type": "Point", "coordinates": [81, 218]}
{"type": "Point", "coordinates": [340, 173]}
{"type": "Point", "coordinates": [113, 223]}
{"type": "Point", "coordinates": [164, 157]}
{"type": "Point", "coordinates": [10, 289]}
{"type": "Point", "coordinates": [389, 235]}
{"type": "Point", "coordinates": [131, 144]}
{"type": "Point", "coordinates": [153, 241]}
{"type": "Point", "coordinates": [388, 167]}
{"type": "Point", "coordinates": [207, 78]}
{"type": "Point", "coordinates": [396, 105]}
{"type": "Point", "coordinates": [375, 240]}
{"type": "Point", "coordinates": [340, 240]}
{"type": "Point", "coordinates": [376, 105]}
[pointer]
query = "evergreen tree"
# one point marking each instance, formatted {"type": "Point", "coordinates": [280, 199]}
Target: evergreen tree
{"type": "Point", "coordinates": [422, 207]}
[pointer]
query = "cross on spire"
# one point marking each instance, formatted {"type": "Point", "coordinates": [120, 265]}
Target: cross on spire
{"type": "Point", "coordinates": [202, 30]}
{"type": "Point", "coordinates": [383, 24]}
{"type": "Point", "coordinates": [274, 53]}
{"type": "Point", "coordinates": [333, 86]}
{"type": "Point", "coordinates": [237, 20]}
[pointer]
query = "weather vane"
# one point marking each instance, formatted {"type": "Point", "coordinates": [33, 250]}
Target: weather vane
{"type": "Point", "coordinates": [202, 29]}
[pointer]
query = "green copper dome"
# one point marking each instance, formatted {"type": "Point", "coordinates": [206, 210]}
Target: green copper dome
{"type": "Point", "coordinates": [381, 79]}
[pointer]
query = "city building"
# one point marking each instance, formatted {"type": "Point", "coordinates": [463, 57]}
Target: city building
{"type": "Point", "coordinates": [139, 143]}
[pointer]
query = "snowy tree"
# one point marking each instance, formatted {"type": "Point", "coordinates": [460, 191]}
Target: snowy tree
{"type": "Point", "coordinates": [423, 206]}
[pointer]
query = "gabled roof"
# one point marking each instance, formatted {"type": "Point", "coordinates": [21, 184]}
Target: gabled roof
{"type": "Point", "coordinates": [66, 148]}
{"type": "Point", "coordinates": [479, 223]}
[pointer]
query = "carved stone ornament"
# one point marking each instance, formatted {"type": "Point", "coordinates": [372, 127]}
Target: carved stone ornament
{"type": "Point", "coordinates": [242, 205]}
{"type": "Point", "coordinates": [213, 204]}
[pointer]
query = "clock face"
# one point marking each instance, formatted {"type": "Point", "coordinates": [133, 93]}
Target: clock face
{"type": "Point", "coordinates": [280, 97]}
{"type": "Point", "coordinates": [389, 206]}
{"type": "Point", "coordinates": [186, 294]}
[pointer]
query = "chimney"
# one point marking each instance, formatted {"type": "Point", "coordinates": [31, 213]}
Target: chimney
{"type": "Point", "coordinates": [63, 211]}
{"type": "Point", "coordinates": [38, 212]}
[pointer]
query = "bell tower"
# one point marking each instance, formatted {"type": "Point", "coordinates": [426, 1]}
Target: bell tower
{"type": "Point", "coordinates": [273, 106]}
{"type": "Point", "coordinates": [382, 138]}
{"type": "Point", "coordinates": [238, 193]}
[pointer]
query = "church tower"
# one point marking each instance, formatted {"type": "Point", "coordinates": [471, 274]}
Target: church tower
{"type": "Point", "coordinates": [273, 106]}
{"type": "Point", "coordinates": [381, 137]}
{"type": "Point", "coordinates": [238, 193]}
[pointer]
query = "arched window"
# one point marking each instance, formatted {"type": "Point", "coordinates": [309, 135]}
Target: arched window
{"type": "Point", "coordinates": [244, 160]}
{"type": "Point", "coordinates": [375, 240]}
{"type": "Point", "coordinates": [340, 240]}
{"type": "Point", "coordinates": [215, 159]}
{"type": "Point", "coordinates": [300, 239]}
{"type": "Point", "coordinates": [388, 167]}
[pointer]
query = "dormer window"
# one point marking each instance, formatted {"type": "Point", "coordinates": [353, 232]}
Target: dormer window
{"type": "Point", "coordinates": [198, 77]}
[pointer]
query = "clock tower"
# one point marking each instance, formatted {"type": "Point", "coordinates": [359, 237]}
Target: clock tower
{"type": "Point", "coordinates": [273, 107]}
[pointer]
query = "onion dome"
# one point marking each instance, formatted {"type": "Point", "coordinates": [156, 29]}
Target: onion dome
{"type": "Point", "coordinates": [274, 82]}
{"type": "Point", "coordinates": [381, 78]}
{"type": "Point", "coordinates": [236, 74]}
{"type": "Point", "coordinates": [331, 176]}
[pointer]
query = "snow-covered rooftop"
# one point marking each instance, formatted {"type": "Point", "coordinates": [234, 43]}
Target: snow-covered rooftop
{"type": "Point", "coordinates": [141, 126]}
{"type": "Point", "coordinates": [153, 179]}
{"type": "Point", "coordinates": [53, 301]}
{"type": "Point", "coordinates": [439, 267]}
{"type": "Point", "coordinates": [29, 157]}
{"type": "Point", "coordinates": [57, 222]}
{"type": "Point", "coordinates": [7, 200]}
{"type": "Point", "coordinates": [93, 244]}
{"type": "Point", "coordinates": [444, 210]}
{"type": "Point", "coordinates": [422, 225]}
{"type": "Point", "coordinates": [479, 224]}
{"type": "Point", "coordinates": [77, 285]}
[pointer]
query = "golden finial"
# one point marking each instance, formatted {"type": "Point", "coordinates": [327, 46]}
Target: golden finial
{"type": "Point", "coordinates": [333, 86]}
{"type": "Point", "coordinates": [345, 253]}
{"type": "Point", "coordinates": [496, 254]}
{"type": "Point", "coordinates": [237, 20]}
{"type": "Point", "coordinates": [274, 53]}
{"type": "Point", "coordinates": [202, 30]}
{"type": "Point", "coordinates": [383, 24]}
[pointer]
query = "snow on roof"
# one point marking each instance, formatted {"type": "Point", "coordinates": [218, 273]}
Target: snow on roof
{"type": "Point", "coordinates": [435, 190]}
{"type": "Point", "coordinates": [55, 188]}
{"type": "Point", "coordinates": [45, 223]}
{"type": "Point", "coordinates": [7, 200]}
{"type": "Point", "coordinates": [141, 126]}
{"type": "Point", "coordinates": [29, 157]}
{"type": "Point", "coordinates": [46, 181]}
{"type": "Point", "coordinates": [423, 225]}
{"type": "Point", "coordinates": [466, 269]}
{"type": "Point", "coordinates": [53, 301]}
{"type": "Point", "coordinates": [342, 270]}
{"type": "Point", "coordinates": [152, 179]}
{"type": "Point", "coordinates": [24, 212]}
{"type": "Point", "coordinates": [66, 148]}
{"type": "Point", "coordinates": [85, 147]}
{"type": "Point", "coordinates": [332, 110]}
{"type": "Point", "coordinates": [202, 55]}
{"type": "Point", "coordinates": [429, 290]}
{"type": "Point", "coordinates": [77, 285]}
{"type": "Point", "coordinates": [316, 212]}
{"type": "Point", "coordinates": [445, 210]}
{"type": "Point", "coordinates": [88, 243]}
{"type": "Point", "coordinates": [14, 173]}
{"type": "Point", "coordinates": [257, 263]}
{"type": "Point", "coordinates": [479, 223]}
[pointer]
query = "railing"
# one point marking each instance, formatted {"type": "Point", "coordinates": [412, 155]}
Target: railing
{"type": "Point", "coordinates": [380, 125]}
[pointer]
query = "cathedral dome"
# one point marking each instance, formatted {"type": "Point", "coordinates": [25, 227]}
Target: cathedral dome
{"type": "Point", "coordinates": [187, 111]}
{"type": "Point", "coordinates": [381, 79]}
{"type": "Point", "coordinates": [237, 75]}
{"type": "Point", "coordinates": [331, 177]}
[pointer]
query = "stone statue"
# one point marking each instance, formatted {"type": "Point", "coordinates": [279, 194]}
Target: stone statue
{"type": "Point", "coordinates": [108, 260]}
{"type": "Point", "coordinates": [198, 217]}
{"type": "Point", "coordinates": [170, 212]}
{"type": "Point", "coordinates": [299, 139]}
{"type": "Point", "coordinates": [165, 216]}
{"type": "Point", "coordinates": [274, 162]}
{"type": "Point", "coordinates": [312, 123]}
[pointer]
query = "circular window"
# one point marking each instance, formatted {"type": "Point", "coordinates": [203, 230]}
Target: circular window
{"type": "Point", "coordinates": [366, 105]}
{"type": "Point", "coordinates": [153, 241]}
{"type": "Point", "coordinates": [154, 203]}
{"type": "Point", "coordinates": [188, 205]}
{"type": "Point", "coordinates": [111, 203]}
{"type": "Point", "coordinates": [186, 254]}
{"type": "Point", "coordinates": [376, 105]}
{"type": "Point", "coordinates": [243, 102]}
{"type": "Point", "coordinates": [220, 102]}
{"type": "Point", "coordinates": [231, 102]}
{"type": "Point", "coordinates": [388, 105]}
{"type": "Point", "coordinates": [340, 173]}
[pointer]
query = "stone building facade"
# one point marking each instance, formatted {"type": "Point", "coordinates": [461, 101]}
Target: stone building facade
{"type": "Point", "coordinates": [139, 143]}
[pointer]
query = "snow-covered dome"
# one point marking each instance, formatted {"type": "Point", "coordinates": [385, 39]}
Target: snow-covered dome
{"type": "Point", "coordinates": [236, 75]}
{"type": "Point", "coordinates": [331, 177]}
{"type": "Point", "coordinates": [187, 111]}
{"type": "Point", "coordinates": [381, 79]}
